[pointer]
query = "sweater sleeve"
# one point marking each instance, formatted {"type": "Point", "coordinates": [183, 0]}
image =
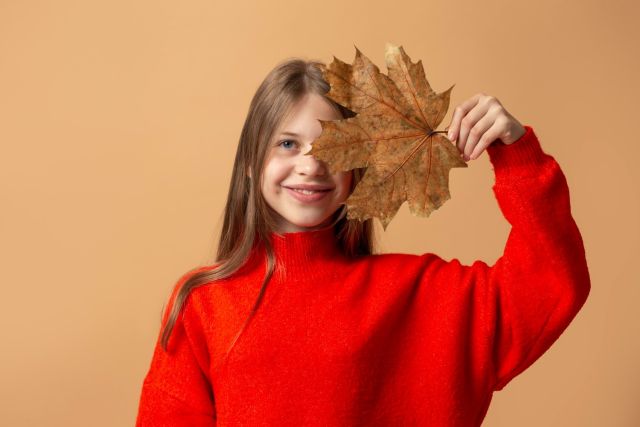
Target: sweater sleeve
{"type": "Point", "coordinates": [521, 305]}
{"type": "Point", "coordinates": [176, 390]}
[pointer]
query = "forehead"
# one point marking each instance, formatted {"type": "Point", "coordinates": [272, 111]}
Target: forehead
{"type": "Point", "coordinates": [303, 118]}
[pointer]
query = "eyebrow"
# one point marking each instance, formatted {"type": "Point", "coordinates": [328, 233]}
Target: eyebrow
{"type": "Point", "coordinates": [290, 133]}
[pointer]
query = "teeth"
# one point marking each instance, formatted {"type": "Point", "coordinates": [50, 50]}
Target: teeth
{"type": "Point", "coordinates": [304, 191]}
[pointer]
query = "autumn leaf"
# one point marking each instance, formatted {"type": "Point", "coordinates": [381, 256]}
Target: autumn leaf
{"type": "Point", "coordinates": [393, 136]}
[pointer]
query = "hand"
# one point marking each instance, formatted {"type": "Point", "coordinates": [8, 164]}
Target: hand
{"type": "Point", "coordinates": [478, 122]}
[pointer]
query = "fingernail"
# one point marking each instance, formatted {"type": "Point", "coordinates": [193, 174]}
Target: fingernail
{"type": "Point", "coordinates": [450, 134]}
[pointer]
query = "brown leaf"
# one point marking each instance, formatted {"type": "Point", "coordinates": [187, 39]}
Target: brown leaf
{"type": "Point", "coordinates": [392, 136]}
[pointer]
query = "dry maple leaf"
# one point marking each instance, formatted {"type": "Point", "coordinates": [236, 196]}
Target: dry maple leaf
{"type": "Point", "coordinates": [393, 136]}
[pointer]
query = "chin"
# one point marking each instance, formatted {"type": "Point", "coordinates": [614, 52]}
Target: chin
{"type": "Point", "coordinates": [303, 224]}
{"type": "Point", "coordinates": [308, 224]}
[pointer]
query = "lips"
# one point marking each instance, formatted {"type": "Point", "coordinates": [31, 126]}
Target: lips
{"type": "Point", "coordinates": [308, 193]}
{"type": "Point", "coordinates": [312, 187]}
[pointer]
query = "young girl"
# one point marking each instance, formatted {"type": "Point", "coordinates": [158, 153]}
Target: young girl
{"type": "Point", "coordinates": [298, 323]}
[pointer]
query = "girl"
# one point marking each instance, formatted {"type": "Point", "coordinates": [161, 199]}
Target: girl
{"type": "Point", "coordinates": [299, 323]}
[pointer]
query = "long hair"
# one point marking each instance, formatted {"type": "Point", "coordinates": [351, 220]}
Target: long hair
{"type": "Point", "coordinates": [247, 219]}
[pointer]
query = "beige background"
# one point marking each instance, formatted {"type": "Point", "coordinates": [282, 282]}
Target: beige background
{"type": "Point", "coordinates": [119, 122]}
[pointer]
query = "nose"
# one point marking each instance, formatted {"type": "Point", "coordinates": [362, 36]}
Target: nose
{"type": "Point", "coordinates": [309, 165]}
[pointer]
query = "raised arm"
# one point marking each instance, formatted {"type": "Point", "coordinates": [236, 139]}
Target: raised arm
{"type": "Point", "coordinates": [518, 307]}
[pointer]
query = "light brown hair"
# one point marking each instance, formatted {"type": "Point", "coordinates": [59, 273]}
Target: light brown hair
{"type": "Point", "coordinates": [247, 218]}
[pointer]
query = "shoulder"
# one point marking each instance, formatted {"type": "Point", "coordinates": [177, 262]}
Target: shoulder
{"type": "Point", "coordinates": [191, 273]}
{"type": "Point", "coordinates": [394, 263]}
{"type": "Point", "coordinates": [216, 289]}
{"type": "Point", "coordinates": [183, 280]}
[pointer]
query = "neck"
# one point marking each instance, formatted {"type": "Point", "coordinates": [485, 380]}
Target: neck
{"type": "Point", "coordinates": [303, 255]}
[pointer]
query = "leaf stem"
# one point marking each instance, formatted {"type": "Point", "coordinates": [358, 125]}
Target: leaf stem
{"type": "Point", "coordinates": [436, 131]}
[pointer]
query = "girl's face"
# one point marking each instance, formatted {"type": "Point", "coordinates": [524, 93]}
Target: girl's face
{"type": "Point", "coordinates": [287, 168]}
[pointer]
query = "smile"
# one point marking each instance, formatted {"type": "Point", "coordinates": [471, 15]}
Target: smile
{"type": "Point", "coordinates": [307, 196]}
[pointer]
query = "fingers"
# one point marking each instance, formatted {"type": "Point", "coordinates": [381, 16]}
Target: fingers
{"type": "Point", "coordinates": [476, 134]}
{"type": "Point", "coordinates": [487, 138]}
{"type": "Point", "coordinates": [458, 114]}
{"type": "Point", "coordinates": [470, 122]}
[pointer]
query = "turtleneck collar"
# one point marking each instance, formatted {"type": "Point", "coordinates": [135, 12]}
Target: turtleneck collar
{"type": "Point", "coordinates": [302, 255]}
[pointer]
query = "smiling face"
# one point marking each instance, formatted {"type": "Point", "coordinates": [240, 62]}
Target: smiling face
{"type": "Point", "coordinates": [287, 169]}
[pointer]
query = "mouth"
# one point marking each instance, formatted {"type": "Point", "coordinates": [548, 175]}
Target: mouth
{"type": "Point", "coordinates": [307, 195]}
{"type": "Point", "coordinates": [308, 190]}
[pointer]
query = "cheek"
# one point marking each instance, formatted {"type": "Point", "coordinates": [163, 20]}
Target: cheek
{"type": "Point", "coordinates": [345, 181]}
{"type": "Point", "coordinates": [274, 173]}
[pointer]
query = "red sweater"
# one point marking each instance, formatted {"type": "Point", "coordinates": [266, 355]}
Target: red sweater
{"type": "Point", "coordinates": [381, 340]}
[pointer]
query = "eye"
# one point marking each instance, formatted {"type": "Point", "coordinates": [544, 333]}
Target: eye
{"type": "Point", "coordinates": [284, 143]}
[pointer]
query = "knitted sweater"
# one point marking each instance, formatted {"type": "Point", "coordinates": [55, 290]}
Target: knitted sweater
{"type": "Point", "coordinates": [381, 340]}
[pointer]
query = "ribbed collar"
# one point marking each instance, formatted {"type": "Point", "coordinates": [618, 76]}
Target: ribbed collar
{"type": "Point", "coordinates": [306, 254]}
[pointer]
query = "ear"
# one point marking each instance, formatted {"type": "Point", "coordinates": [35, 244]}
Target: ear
{"type": "Point", "coordinates": [249, 171]}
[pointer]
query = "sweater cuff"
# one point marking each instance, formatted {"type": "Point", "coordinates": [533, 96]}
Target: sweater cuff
{"type": "Point", "coordinates": [524, 157]}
